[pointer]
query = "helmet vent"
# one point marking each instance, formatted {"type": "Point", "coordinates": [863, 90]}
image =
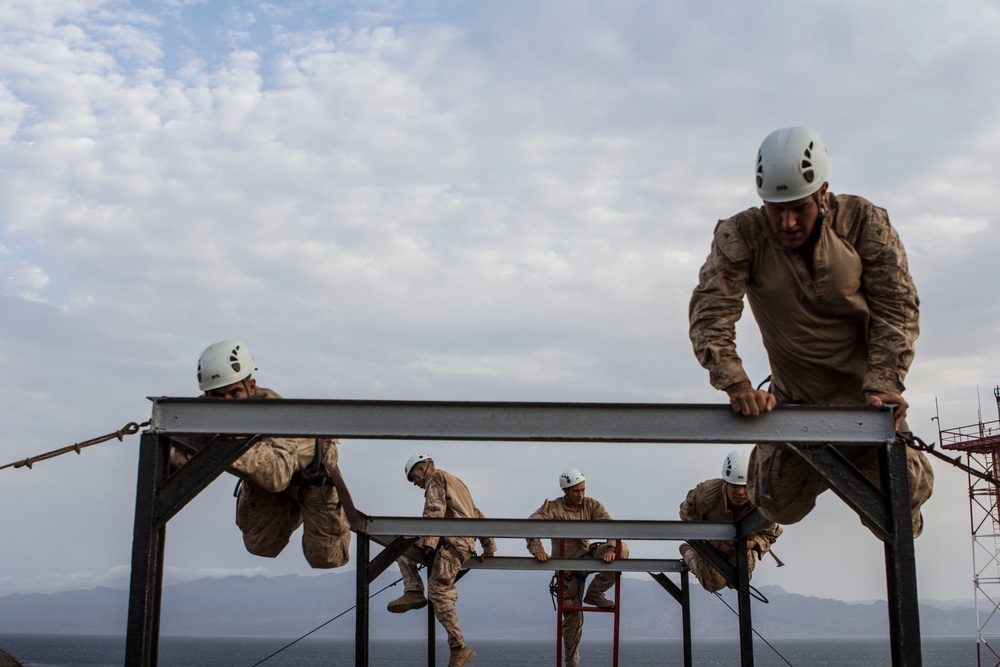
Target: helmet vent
{"type": "Point", "coordinates": [806, 165]}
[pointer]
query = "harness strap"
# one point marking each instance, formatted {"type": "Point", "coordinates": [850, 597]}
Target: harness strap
{"type": "Point", "coordinates": [315, 470]}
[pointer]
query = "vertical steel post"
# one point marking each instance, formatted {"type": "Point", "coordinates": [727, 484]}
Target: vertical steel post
{"type": "Point", "coordinates": [900, 560]}
{"type": "Point", "coordinates": [560, 579]}
{"type": "Point", "coordinates": [618, 605]}
{"type": "Point", "coordinates": [743, 589]}
{"type": "Point", "coordinates": [431, 629]}
{"type": "Point", "coordinates": [686, 616]}
{"type": "Point", "coordinates": [681, 594]}
{"type": "Point", "coordinates": [362, 607]}
{"type": "Point", "coordinates": [146, 585]}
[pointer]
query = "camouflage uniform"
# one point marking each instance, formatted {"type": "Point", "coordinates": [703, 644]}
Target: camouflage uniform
{"type": "Point", "coordinates": [830, 335]}
{"type": "Point", "coordinates": [445, 496]}
{"type": "Point", "coordinates": [274, 499]}
{"type": "Point", "coordinates": [573, 582]}
{"type": "Point", "coordinates": [708, 502]}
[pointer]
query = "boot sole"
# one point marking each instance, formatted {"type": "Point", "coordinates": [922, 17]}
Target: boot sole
{"type": "Point", "coordinates": [399, 609]}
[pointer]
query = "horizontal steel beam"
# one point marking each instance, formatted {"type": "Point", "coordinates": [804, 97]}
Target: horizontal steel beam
{"type": "Point", "coordinates": [576, 564]}
{"type": "Point", "coordinates": [560, 422]}
{"type": "Point", "coordinates": [382, 527]}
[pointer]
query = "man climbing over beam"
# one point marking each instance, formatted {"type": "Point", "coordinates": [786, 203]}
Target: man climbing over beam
{"type": "Point", "coordinates": [576, 505]}
{"type": "Point", "coordinates": [828, 283]}
{"type": "Point", "coordinates": [284, 482]}
{"type": "Point", "coordinates": [724, 499]}
{"type": "Point", "coordinates": [444, 496]}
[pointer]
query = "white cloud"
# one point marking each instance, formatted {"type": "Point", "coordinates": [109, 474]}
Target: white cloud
{"type": "Point", "coordinates": [480, 201]}
{"type": "Point", "coordinates": [22, 280]}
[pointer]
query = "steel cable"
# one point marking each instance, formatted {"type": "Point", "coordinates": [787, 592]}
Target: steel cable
{"type": "Point", "coordinates": [129, 429]}
{"type": "Point", "coordinates": [292, 643]}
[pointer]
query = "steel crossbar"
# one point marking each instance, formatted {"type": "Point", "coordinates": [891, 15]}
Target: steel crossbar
{"type": "Point", "coordinates": [534, 528]}
{"type": "Point", "coordinates": [561, 422]}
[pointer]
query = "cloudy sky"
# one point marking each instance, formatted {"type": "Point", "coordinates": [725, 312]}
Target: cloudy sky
{"type": "Point", "coordinates": [455, 200]}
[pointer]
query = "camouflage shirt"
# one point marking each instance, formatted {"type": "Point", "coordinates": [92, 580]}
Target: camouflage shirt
{"type": "Point", "coordinates": [448, 496]}
{"type": "Point", "coordinates": [591, 510]}
{"type": "Point", "coordinates": [847, 327]}
{"type": "Point", "coordinates": [707, 502]}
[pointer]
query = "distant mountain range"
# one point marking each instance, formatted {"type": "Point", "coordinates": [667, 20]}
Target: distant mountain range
{"type": "Point", "coordinates": [492, 605]}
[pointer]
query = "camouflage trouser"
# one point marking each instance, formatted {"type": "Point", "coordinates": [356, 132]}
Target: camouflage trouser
{"type": "Point", "coordinates": [573, 594]}
{"type": "Point", "coordinates": [441, 589]}
{"type": "Point", "coordinates": [706, 574]}
{"type": "Point", "coordinates": [409, 569]}
{"type": "Point", "coordinates": [268, 520]}
{"type": "Point", "coordinates": [785, 488]}
{"type": "Point", "coordinates": [443, 594]}
{"type": "Point", "coordinates": [273, 501]}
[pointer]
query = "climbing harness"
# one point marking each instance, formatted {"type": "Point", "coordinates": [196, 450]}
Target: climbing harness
{"type": "Point", "coordinates": [129, 429]}
{"type": "Point", "coordinates": [315, 471]}
{"type": "Point", "coordinates": [755, 593]}
{"type": "Point", "coordinates": [554, 585]}
{"type": "Point", "coordinates": [554, 590]}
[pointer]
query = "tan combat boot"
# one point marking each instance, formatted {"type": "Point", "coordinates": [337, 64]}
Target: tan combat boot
{"type": "Point", "coordinates": [597, 599]}
{"type": "Point", "coordinates": [409, 600]}
{"type": "Point", "coordinates": [461, 656]}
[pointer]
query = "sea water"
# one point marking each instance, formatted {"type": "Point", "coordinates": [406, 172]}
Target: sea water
{"type": "Point", "coordinates": [87, 651]}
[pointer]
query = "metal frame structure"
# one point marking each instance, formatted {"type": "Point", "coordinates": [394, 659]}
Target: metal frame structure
{"type": "Point", "coordinates": [390, 532]}
{"type": "Point", "coordinates": [981, 445]}
{"type": "Point", "coordinates": [220, 431]}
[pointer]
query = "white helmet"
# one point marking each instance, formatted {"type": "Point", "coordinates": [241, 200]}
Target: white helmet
{"type": "Point", "coordinates": [734, 470]}
{"type": "Point", "coordinates": [414, 460]}
{"type": "Point", "coordinates": [224, 363]}
{"type": "Point", "coordinates": [571, 477]}
{"type": "Point", "coordinates": [792, 163]}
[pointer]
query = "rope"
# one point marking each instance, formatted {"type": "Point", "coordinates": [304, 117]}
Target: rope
{"type": "Point", "coordinates": [776, 652]}
{"type": "Point", "coordinates": [292, 643]}
{"type": "Point", "coordinates": [760, 597]}
{"type": "Point", "coordinates": [129, 429]}
{"type": "Point", "coordinates": [921, 446]}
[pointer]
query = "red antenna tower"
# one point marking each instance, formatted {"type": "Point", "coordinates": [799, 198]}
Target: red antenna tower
{"type": "Point", "coordinates": [981, 444]}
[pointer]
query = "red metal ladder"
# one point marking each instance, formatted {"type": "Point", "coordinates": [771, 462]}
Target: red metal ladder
{"type": "Point", "coordinates": [562, 608]}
